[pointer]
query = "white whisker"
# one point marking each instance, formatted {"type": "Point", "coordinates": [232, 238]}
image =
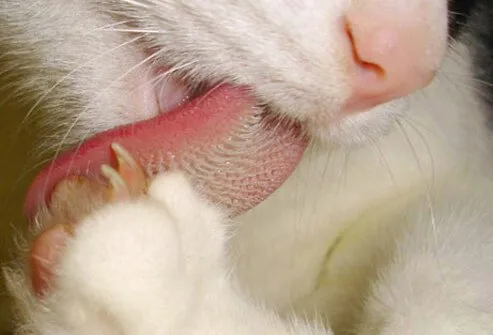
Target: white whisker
{"type": "Point", "coordinates": [137, 3]}
{"type": "Point", "coordinates": [429, 188]}
{"type": "Point", "coordinates": [133, 30]}
{"type": "Point", "coordinates": [78, 68]}
{"type": "Point", "coordinates": [64, 138]}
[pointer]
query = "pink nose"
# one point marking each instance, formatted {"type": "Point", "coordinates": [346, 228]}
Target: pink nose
{"type": "Point", "coordinates": [390, 59]}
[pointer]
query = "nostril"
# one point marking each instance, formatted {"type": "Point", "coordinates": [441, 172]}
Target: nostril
{"type": "Point", "coordinates": [383, 65]}
{"type": "Point", "coordinates": [391, 52]}
{"type": "Point", "coordinates": [359, 59]}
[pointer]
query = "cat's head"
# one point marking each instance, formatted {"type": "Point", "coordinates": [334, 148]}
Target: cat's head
{"type": "Point", "coordinates": [332, 64]}
{"type": "Point", "coordinates": [338, 67]}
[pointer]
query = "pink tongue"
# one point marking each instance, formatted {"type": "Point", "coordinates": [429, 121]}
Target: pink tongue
{"type": "Point", "coordinates": [220, 140]}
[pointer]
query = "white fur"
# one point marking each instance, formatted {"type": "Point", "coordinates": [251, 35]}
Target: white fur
{"type": "Point", "coordinates": [391, 238]}
{"type": "Point", "coordinates": [152, 266]}
{"type": "Point", "coordinates": [91, 52]}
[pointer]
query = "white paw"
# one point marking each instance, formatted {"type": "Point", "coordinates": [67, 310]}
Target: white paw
{"type": "Point", "coordinates": [202, 227]}
{"type": "Point", "coordinates": [140, 266]}
{"type": "Point", "coordinates": [149, 261]}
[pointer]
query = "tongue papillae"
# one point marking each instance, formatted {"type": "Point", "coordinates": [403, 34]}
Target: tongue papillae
{"type": "Point", "coordinates": [220, 140]}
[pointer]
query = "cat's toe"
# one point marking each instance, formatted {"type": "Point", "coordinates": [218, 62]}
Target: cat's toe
{"type": "Point", "coordinates": [203, 226]}
{"type": "Point", "coordinates": [74, 199]}
{"type": "Point", "coordinates": [128, 178]}
{"type": "Point", "coordinates": [126, 258]}
{"type": "Point", "coordinates": [138, 253]}
{"type": "Point", "coordinates": [123, 269]}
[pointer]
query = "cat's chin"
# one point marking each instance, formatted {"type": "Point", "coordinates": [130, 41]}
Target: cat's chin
{"type": "Point", "coordinates": [357, 129]}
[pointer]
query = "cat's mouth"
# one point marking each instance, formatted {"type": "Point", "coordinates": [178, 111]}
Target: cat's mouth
{"type": "Point", "coordinates": [235, 154]}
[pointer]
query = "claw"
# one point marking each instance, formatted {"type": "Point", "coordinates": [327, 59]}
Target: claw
{"type": "Point", "coordinates": [129, 170]}
{"type": "Point", "coordinates": [73, 199]}
{"type": "Point", "coordinates": [118, 187]}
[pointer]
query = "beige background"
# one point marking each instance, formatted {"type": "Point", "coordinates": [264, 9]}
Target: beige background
{"type": "Point", "coordinates": [17, 166]}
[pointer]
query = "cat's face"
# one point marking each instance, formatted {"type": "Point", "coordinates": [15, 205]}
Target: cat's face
{"type": "Point", "coordinates": [337, 67]}
{"type": "Point", "coordinates": [328, 63]}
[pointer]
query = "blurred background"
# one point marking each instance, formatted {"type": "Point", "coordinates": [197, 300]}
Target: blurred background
{"type": "Point", "coordinates": [17, 168]}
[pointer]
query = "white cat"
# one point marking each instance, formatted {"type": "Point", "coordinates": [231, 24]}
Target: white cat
{"type": "Point", "coordinates": [384, 227]}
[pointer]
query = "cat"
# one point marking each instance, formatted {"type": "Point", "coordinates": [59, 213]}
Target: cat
{"type": "Point", "coordinates": [384, 226]}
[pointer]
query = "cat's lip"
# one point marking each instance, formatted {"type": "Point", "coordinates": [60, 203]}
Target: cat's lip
{"type": "Point", "coordinates": [221, 140]}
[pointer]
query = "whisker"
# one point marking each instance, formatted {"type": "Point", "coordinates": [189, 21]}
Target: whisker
{"type": "Point", "coordinates": [162, 76]}
{"type": "Point", "coordinates": [79, 115]}
{"type": "Point", "coordinates": [215, 87]}
{"type": "Point", "coordinates": [134, 30]}
{"type": "Point", "coordinates": [137, 3]}
{"type": "Point", "coordinates": [385, 162]}
{"type": "Point", "coordinates": [111, 25]}
{"type": "Point", "coordinates": [343, 173]}
{"type": "Point", "coordinates": [473, 79]}
{"type": "Point", "coordinates": [27, 171]}
{"type": "Point", "coordinates": [61, 80]}
{"type": "Point", "coordinates": [429, 187]}
{"type": "Point", "coordinates": [64, 78]}
{"type": "Point", "coordinates": [309, 206]}
{"type": "Point", "coordinates": [428, 149]}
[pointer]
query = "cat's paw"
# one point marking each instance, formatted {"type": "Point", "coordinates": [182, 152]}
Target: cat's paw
{"type": "Point", "coordinates": [140, 259]}
{"type": "Point", "coordinates": [139, 264]}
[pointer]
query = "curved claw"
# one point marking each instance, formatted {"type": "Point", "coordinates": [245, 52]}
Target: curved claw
{"type": "Point", "coordinates": [73, 199]}
{"type": "Point", "coordinates": [128, 171]}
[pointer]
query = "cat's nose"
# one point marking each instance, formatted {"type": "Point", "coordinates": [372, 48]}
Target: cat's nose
{"type": "Point", "coordinates": [391, 58]}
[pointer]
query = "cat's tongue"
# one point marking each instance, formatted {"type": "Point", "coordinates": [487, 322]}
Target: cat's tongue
{"type": "Point", "coordinates": [221, 140]}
